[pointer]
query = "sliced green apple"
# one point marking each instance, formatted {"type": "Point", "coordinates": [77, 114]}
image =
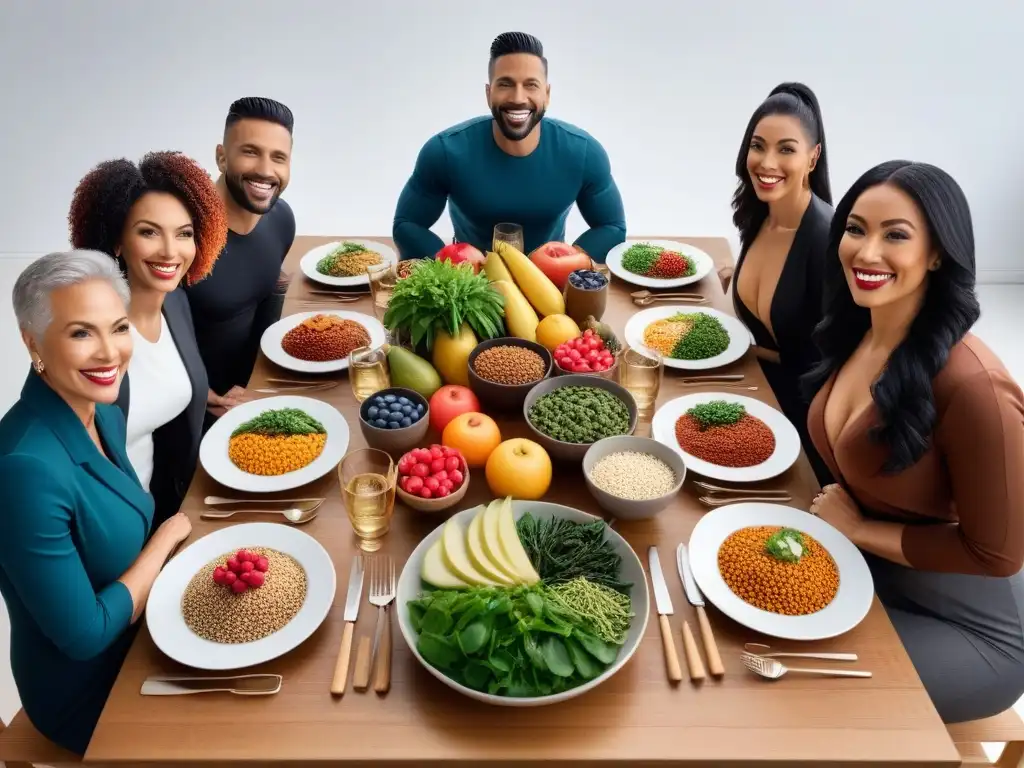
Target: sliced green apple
{"type": "Point", "coordinates": [436, 572]}
{"type": "Point", "coordinates": [453, 550]}
{"type": "Point", "coordinates": [508, 538]}
{"type": "Point", "coordinates": [477, 555]}
{"type": "Point", "coordinates": [492, 543]}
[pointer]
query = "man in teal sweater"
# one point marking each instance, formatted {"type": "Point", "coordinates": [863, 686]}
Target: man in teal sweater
{"type": "Point", "coordinates": [513, 166]}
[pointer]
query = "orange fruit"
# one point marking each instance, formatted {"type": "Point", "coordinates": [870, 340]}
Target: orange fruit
{"type": "Point", "coordinates": [474, 434]}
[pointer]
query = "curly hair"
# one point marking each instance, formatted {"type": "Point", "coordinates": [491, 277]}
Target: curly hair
{"type": "Point", "coordinates": [103, 199]}
{"type": "Point", "coordinates": [903, 393]}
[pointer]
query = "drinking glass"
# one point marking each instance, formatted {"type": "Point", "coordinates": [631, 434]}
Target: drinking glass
{"type": "Point", "coordinates": [601, 269]}
{"type": "Point", "coordinates": [509, 233]}
{"type": "Point", "coordinates": [367, 371]}
{"type": "Point", "coordinates": [641, 373]}
{"type": "Point", "coordinates": [368, 489]}
{"type": "Point", "coordinates": [383, 278]}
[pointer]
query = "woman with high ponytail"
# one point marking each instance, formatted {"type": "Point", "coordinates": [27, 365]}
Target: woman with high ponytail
{"type": "Point", "coordinates": [782, 208]}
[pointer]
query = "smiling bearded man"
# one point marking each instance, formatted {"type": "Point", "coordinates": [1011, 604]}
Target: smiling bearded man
{"type": "Point", "coordinates": [244, 294]}
{"type": "Point", "coordinates": [514, 165]}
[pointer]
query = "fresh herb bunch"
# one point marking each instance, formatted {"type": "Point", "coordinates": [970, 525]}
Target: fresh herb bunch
{"type": "Point", "coordinates": [580, 415]}
{"type": "Point", "coordinates": [786, 544]}
{"type": "Point", "coordinates": [706, 338]}
{"type": "Point", "coordinates": [639, 257]}
{"type": "Point", "coordinates": [717, 413]}
{"type": "Point", "coordinates": [508, 642]}
{"type": "Point", "coordinates": [611, 341]}
{"type": "Point", "coordinates": [439, 296]}
{"type": "Point", "coordinates": [562, 550]}
{"type": "Point", "coordinates": [282, 421]}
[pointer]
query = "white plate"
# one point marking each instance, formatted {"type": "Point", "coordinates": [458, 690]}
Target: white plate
{"type": "Point", "coordinates": [270, 343]}
{"type": "Point", "coordinates": [410, 587]}
{"type": "Point", "coordinates": [309, 261]}
{"type": "Point", "coordinates": [739, 336]}
{"type": "Point", "coordinates": [703, 262]}
{"type": "Point", "coordinates": [213, 451]}
{"type": "Point", "coordinates": [847, 609]}
{"type": "Point", "coordinates": [787, 439]}
{"type": "Point", "coordinates": [173, 637]}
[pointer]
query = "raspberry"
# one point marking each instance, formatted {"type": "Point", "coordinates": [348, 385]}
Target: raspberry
{"type": "Point", "coordinates": [247, 566]}
{"type": "Point", "coordinates": [239, 586]}
{"type": "Point", "coordinates": [218, 575]}
{"type": "Point", "coordinates": [263, 565]}
{"type": "Point", "coordinates": [234, 565]}
{"type": "Point", "coordinates": [256, 579]}
{"type": "Point", "coordinates": [229, 577]}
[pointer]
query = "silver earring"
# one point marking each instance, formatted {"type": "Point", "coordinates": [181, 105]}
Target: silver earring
{"type": "Point", "coordinates": [38, 367]}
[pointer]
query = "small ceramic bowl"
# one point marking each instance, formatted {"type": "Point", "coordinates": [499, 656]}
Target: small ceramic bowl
{"type": "Point", "coordinates": [505, 397]}
{"type": "Point", "coordinates": [401, 439]}
{"type": "Point", "coordinates": [558, 449]}
{"type": "Point", "coordinates": [631, 509]}
{"type": "Point", "coordinates": [435, 505]}
{"type": "Point", "coordinates": [612, 374]}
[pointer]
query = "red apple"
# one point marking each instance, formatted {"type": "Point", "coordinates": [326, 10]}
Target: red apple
{"type": "Point", "coordinates": [557, 260]}
{"type": "Point", "coordinates": [450, 401]}
{"type": "Point", "coordinates": [462, 253]}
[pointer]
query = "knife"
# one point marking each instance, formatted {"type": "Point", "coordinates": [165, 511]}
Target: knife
{"type": "Point", "coordinates": [242, 685]}
{"type": "Point", "coordinates": [693, 594]}
{"type": "Point", "coordinates": [355, 594]}
{"type": "Point", "coordinates": [663, 603]}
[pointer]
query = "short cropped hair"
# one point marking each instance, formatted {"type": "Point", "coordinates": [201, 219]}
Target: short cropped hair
{"type": "Point", "coordinates": [103, 199]}
{"type": "Point", "coordinates": [35, 284]}
{"type": "Point", "coordinates": [515, 42]}
{"type": "Point", "coordinates": [260, 108]}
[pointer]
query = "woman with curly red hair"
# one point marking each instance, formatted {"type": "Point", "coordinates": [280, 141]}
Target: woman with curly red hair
{"type": "Point", "coordinates": [165, 224]}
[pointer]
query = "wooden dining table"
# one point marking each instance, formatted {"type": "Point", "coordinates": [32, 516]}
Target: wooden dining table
{"type": "Point", "coordinates": [636, 718]}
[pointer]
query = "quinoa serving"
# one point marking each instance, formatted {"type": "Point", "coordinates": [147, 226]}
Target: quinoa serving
{"type": "Point", "coordinates": [224, 616]}
{"type": "Point", "coordinates": [633, 475]}
{"type": "Point", "coordinates": [277, 442]}
{"type": "Point", "coordinates": [324, 337]}
{"type": "Point", "coordinates": [508, 364]}
{"type": "Point", "coordinates": [348, 260]}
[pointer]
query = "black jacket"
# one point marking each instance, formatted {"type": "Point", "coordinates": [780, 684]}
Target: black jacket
{"type": "Point", "coordinates": [176, 444]}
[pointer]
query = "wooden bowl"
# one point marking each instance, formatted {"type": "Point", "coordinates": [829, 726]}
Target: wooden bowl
{"type": "Point", "coordinates": [436, 505]}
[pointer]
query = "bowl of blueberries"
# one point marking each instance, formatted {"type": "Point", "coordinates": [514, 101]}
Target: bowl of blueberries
{"type": "Point", "coordinates": [586, 294]}
{"type": "Point", "coordinates": [394, 419]}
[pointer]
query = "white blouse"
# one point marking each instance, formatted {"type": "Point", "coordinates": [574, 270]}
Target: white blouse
{"type": "Point", "coordinates": [160, 391]}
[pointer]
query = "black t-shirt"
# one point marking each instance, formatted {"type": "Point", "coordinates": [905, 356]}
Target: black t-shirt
{"type": "Point", "coordinates": [237, 301]}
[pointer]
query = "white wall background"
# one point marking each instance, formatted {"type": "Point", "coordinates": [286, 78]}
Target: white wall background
{"type": "Point", "coordinates": [666, 85]}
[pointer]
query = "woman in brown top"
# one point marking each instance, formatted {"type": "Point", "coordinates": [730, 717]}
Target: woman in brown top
{"type": "Point", "coordinates": [923, 429]}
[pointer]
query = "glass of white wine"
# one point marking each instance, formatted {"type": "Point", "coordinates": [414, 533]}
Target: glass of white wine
{"type": "Point", "coordinates": [367, 371]}
{"type": "Point", "coordinates": [640, 373]}
{"type": "Point", "coordinates": [383, 279]}
{"type": "Point", "coordinates": [368, 479]}
{"type": "Point", "coordinates": [508, 233]}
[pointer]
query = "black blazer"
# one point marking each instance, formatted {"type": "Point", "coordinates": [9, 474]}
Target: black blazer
{"type": "Point", "coordinates": [176, 444]}
{"type": "Point", "coordinates": [797, 307]}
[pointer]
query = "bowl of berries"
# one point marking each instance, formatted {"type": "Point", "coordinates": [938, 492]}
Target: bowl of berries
{"type": "Point", "coordinates": [432, 479]}
{"type": "Point", "coordinates": [394, 419]}
{"type": "Point", "coordinates": [590, 355]}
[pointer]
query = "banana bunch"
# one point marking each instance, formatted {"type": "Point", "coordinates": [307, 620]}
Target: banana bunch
{"type": "Point", "coordinates": [529, 294]}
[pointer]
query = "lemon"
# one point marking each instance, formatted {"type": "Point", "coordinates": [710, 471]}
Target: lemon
{"type": "Point", "coordinates": [554, 330]}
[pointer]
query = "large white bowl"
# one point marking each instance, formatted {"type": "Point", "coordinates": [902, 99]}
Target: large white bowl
{"type": "Point", "coordinates": [410, 586]}
{"type": "Point", "coordinates": [703, 262]}
{"type": "Point", "coordinates": [171, 634]}
{"type": "Point", "coordinates": [847, 609]}
{"type": "Point", "coordinates": [213, 451]}
{"type": "Point", "coordinates": [271, 340]}
{"type": "Point", "coordinates": [739, 336]}
{"type": "Point", "coordinates": [309, 261]}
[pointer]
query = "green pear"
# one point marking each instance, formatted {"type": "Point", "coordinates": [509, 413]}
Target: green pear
{"type": "Point", "coordinates": [412, 372]}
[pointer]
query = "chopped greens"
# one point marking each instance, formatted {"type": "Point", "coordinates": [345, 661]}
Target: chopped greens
{"type": "Point", "coordinates": [717, 413]}
{"type": "Point", "coordinates": [786, 544]}
{"type": "Point", "coordinates": [562, 550]}
{"type": "Point", "coordinates": [281, 421]}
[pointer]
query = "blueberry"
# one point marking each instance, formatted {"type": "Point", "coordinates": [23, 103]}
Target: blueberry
{"type": "Point", "coordinates": [394, 416]}
{"type": "Point", "coordinates": [406, 422]}
{"type": "Point", "coordinates": [419, 407]}
{"type": "Point", "coordinates": [379, 400]}
{"type": "Point", "coordinates": [394, 407]}
{"type": "Point", "coordinates": [393, 425]}
{"type": "Point", "coordinates": [371, 412]}
{"type": "Point", "coordinates": [389, 398]}
{"type": "Point", "coordinates": [403, 401]}
{"type": "Point", "coordinates": [380, 423]}
{"type": "Point", "coordinates": [406, 410]}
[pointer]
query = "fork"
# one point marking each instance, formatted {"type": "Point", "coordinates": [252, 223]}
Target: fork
{"type": "Point", "coordinates": [773, 669]}
{"type": "Point", "coordinates": [382, 592]}
{"type": "Point", "coordinates": [296, 388]}
{"type": "Point", "coordinates": [716, 495]}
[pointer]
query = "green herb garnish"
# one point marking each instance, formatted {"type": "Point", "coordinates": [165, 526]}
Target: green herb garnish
{"type": "Point", "coordinates": [283, 421]}
{"type": "Point", "coordinates": [706, 338]}
{"type": "Point", "coordinates": [562, 550]}
{"type": "Point", "coordinates": [327, 264]}
{"type": "Point", "coordinates": [717, 413]}
{"type": "Point", "coordinates": [606, 611]}
{"type": "Point", "coordinates": [439, 296]}
{"type": "Point", "coordinates": [786, 544]}
{"type": "Point", "coordinates": [639, 257]}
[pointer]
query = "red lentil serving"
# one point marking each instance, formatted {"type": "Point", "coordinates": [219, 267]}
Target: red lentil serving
{"type": "Point", "coordinates": [724, 434]}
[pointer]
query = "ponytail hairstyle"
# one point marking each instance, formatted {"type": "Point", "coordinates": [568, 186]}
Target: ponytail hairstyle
{"type": "Point", "coordinates": [903, 393]}
{"type": "Point", "coordinates": [794, 99]}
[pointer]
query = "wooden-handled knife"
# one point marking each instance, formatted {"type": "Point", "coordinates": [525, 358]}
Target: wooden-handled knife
{"type": "Point", "coordinates": [696, 599]}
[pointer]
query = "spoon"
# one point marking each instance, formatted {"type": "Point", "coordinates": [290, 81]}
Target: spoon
{"type": "Point", "coordinates": [773, 670]}
{"type": "Point", "coordinates": [759, 648]}
{"type": "Point", "coordinates": [645, 294]}
{"type": "Point", "coordinates": [295, 515]}
{"type": "Point", "coordinates": [675, 299]}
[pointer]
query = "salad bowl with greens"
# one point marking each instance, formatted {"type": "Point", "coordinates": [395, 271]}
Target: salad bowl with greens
{"type": "Point", "coordinates": [523, 603]}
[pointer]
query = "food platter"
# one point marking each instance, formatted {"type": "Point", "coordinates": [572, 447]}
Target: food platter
{"type": "Point", "coordinates": [846, 609]}
{"type": "Point", "coordinates": [786, 439]}
{"type": "Point", "coordinates": [313, 257]}
{"type": "Point", "coordinates": [215, 452]}
{"type": "Point", "coordinates": [702, 264]}
{"type": "Point", "coordinates": [276, 336]}
{"type": "Point", "coordinates": [731, 349]}
{"type": "Point", "coordinates": [166, 611]}
{"type": "Point", "coordinates": [411, 586]}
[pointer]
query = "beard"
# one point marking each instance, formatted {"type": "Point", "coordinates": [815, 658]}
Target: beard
{"type": "Point", "coordinates": [236, 188]}
{"type": "Point", "coordinates": [515, 132]}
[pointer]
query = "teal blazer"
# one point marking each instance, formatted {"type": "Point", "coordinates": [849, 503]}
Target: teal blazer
{"type": "Point", "coordinates": [71, 523]}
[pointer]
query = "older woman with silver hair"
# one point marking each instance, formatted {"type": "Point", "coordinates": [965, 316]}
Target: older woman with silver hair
{"type": "Point", "coordinates": [77, 553]}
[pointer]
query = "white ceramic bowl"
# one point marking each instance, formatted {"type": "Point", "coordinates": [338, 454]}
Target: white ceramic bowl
{"type": "Point", "coordinates": [629, 509]}
{"type": "Point", "coordinates": [410, 587]}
